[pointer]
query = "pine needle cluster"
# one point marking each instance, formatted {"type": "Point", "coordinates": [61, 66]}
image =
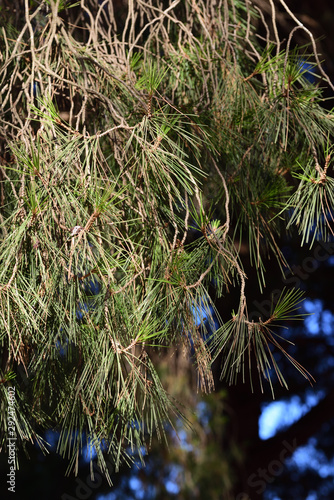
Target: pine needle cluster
{"type": "Point", "coordinates": [137, 149]}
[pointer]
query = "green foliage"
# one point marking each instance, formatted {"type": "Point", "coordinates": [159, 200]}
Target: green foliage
{"type": "Point", "coordinates": [313, 202]}
{"type": "Point", "coordinates": [239, 337]}
{"type": "Point", "coordinates": [136, 163]}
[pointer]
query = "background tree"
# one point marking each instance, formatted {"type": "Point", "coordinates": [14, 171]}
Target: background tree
{"type": "Point", "coordinates": [150, 157]}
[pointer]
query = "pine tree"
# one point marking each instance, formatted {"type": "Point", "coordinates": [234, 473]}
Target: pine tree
{"type": "Point", "coordinates": [140, 150]}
